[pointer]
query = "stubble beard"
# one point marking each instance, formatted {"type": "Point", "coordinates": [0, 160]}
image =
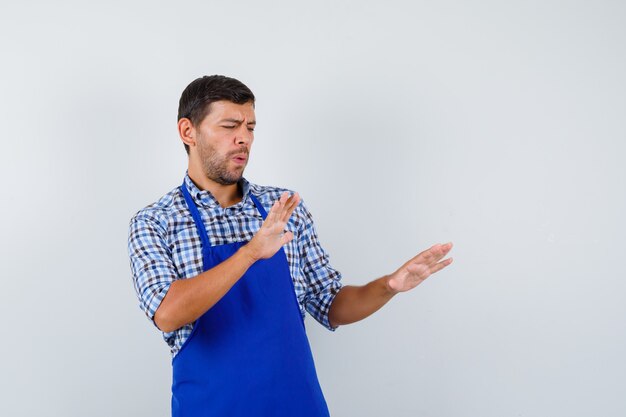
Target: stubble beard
{"type": "Point", "coordinates": [216, 167]}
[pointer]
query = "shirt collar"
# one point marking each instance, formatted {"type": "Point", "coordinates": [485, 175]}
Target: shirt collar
{"type": "Point", "coordinates": [205, 198]}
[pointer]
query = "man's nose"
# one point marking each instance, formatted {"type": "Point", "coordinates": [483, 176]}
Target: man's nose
{"type": "Point", "coordinates": [244, 136]}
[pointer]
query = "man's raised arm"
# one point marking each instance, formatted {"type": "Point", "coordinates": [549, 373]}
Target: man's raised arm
{"type": "Point", "coordinates": [188, 299]}
{"type": "Point", "coordinates": [354, 303]}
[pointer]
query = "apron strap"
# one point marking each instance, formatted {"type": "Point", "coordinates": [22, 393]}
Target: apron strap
{"type": "Point", "coordinates": [258, 206]}
{"type": "Point", "coordinates": [204, 237]}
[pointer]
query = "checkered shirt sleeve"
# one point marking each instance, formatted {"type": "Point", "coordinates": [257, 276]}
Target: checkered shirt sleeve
{"type": "Point", "coordinates": [324, 282]}
{"type": "Point", "coordinates": [151, 262]}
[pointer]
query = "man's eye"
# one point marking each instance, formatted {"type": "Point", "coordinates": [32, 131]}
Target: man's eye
{"type": "Point", "coordinates": [228, 126]}
{"type": "Point", "coordinates": [251, 129]}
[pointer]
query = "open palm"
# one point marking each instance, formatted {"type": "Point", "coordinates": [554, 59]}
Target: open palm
{"type": "Point", "coordinates": [272, 236]}
{"type": "Point", "coordinates": [417, 269]}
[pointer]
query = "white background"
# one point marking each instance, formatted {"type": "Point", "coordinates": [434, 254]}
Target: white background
{"type": "Point", "coordinates": [496, 125]}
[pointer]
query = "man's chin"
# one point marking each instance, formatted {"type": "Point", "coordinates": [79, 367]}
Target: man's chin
{"type": "Point", "coordinates": [228, 181]}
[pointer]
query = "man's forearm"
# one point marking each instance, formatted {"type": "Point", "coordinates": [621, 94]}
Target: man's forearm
{"type": "Point", "coordinates": [188, 299]}
{"type": "Point", "coordinates": [354, 303]}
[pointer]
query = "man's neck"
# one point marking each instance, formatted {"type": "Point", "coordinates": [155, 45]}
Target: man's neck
{"type": "Point", "coordinates": [226, 195]}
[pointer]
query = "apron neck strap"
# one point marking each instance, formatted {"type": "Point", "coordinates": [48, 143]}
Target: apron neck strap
{"type": "Point", "coordinates": [204, 237]}
{"type": "Point", "coordinates": [258, 206]}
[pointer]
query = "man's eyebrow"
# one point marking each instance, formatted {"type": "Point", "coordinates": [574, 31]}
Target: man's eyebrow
{"type": "Point", "coordinates": [238, 121]}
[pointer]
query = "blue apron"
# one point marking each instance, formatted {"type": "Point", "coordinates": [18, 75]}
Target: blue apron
{"type": "Point", "coordinates": [248, 355]}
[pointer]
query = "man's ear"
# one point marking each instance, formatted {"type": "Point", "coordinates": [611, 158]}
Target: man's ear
{"type": "Point", "coordinates": [187, 132]}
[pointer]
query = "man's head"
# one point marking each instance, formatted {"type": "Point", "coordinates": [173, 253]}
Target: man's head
{"type": "Point", "coordinates": [195, 102]}
{"type": "Point", "coordinates": [216, 121]}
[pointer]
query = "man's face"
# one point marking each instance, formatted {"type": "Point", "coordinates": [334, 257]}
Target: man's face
{"type": "Point", "coordinates": [224, 138]}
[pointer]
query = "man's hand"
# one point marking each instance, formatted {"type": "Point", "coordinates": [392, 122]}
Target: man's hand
{"type": "Point", "coordinates": [272, 236]}
{"type": "Point", "coordinates": [416, 270]}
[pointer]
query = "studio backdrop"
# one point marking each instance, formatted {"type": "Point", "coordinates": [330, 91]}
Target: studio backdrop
{"type": "Point", "coordinates": [498, 126]}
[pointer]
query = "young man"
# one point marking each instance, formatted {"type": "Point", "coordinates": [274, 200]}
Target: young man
{"type": "Point", "coordinates": [226, 269]}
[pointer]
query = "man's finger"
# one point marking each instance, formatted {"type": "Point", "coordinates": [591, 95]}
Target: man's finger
{"type": "Point", "coordinates": [286, 238]}
{"type": "Point", "coordinates": [438, 251]}
{"type": "Point", "coordinates": [282, 200]}
{"type": "Point", "coordinates": [288, 203]}
{"type": "Point", "coordinates": [271, 216]}
{"type": "Point", "coordinates": [285, 208]}
{"type": "Point", "coordinates": [425, 256]}
{"type": "Point", "coordinates": [433, 254]}
{"type": "Point", "coordinates": [291, 205]}
{"type": "Point", "coordinates": [440, 265]}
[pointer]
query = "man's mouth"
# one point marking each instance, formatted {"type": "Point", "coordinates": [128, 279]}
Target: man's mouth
{"type": "Point", "coordinates": [240, 158]}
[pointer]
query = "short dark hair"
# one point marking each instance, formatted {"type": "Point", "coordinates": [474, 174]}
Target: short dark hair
{"type": "Point", "coordinates": [197, 97]}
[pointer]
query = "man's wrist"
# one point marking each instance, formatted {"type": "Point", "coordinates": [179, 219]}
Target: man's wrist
{"type": "Point", "coordinates": [248, 254]}
{"type": "Point", "coordinates": [390, 291]}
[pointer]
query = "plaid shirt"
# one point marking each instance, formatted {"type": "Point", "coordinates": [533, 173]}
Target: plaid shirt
{"type": "Point", "coordinates": [164, 246]}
